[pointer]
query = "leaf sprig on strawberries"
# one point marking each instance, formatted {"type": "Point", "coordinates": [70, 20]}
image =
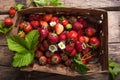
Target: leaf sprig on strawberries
{"type": "Point", "coordinates": [5, 29]}
{"type": "Point", "coordinates": [78, 65]}
{"type": "Point", "coordinates": [114, 69]}
{"type": "Point", "coordinates": [39, 3]}
{"type": "Point", "coordinates": [24, 48]}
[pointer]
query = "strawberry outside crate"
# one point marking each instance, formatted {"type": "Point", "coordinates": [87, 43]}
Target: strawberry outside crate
{"type": "Point", "coordinates": [95, 16]}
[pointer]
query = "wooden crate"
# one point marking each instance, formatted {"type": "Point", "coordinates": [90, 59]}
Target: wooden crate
{"type": "Point", "coordinates": [96, 16]}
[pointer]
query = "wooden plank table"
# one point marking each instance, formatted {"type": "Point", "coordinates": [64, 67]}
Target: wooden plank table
{"type": "Point", "coordinates": [113, 6]}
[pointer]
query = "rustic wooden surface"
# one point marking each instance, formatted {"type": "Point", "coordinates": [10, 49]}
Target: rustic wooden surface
{"type": "Point", "coordinates": [113, 7]}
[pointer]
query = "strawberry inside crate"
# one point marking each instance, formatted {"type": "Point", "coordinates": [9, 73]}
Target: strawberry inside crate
{"type": "Point", "coordinates": [65, 38]}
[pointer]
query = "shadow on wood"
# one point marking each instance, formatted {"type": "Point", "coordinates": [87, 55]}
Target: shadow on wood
{"type": "Point", "coordinates": [46, 76]}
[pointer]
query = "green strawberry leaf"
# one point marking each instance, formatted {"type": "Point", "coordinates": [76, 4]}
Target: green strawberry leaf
{"type": "Point", "coordinates": [4, 29]}
{"type": "Point", "coordinates": [22, 59]}
{"type": "Point", "coordinates": [19, 7]}
{"type": "Point", "coordinates": [56, 3]}
{"type": "Point", "coordinates": [15, 43]}
{"type": "Point", "coordinates": [40, 2]}
{"type": "Point", "coordinates": [78, 65]}
{"type": "Point", "coordinates": [112, 64]}
{"type": "Point", "coordinates": [32, 39]}
{"type": "Point", "coordinates": [25, 48]}
{"type": "Point", "coordinates": [114, 69]}
{"type": "Point", "coordinates": [112, 74]}
{"type": "Point", "coordinates": [1, 25]}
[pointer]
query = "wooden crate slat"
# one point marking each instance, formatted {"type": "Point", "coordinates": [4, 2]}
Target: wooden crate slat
{"type": "Point", "coordinates": [8, 73]}
{"type": "Point", "coordinates": [92, 4]}
{"type": "Point", "coordinates": [5, 56]}
{"type": "Point", "coordinates": [114, 26]}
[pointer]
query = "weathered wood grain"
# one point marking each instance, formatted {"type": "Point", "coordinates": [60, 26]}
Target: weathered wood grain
{"type": "Point", "coordinates": [3, 38]}
{"type": "Point", "coordinates": [114, 52]}
{"type": "Point", "coordinates": [74, 3]}
{"type": "Point", "coordinates": [8, 73]}
{"type": "Point", "coordinates": [61, 69]}
{"type": "Point", "coordinates": [46, 76]}
{"type": "Point", "coordinates": [5, 56]}
{"type": "Point", "coordinates": [92, 3]}
{"type": "Point", "coordinates": [2, 17]}
{"type": "Point", "coordinates": [6, 4]}
{"type": "Point", "coordinates": [90, 77]}
{"type": "Point", "coordinates": [114, 26]}
{"type": "Point", "coordinates": [33, 75]}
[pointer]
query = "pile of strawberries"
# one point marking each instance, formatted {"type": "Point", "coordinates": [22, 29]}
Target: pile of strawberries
{"type": "Point", "coordinates": [8, 22]}
{"type": "Point", "coordinates": [62, 37]}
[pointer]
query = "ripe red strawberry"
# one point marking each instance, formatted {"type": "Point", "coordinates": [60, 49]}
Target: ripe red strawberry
{"type": "Point", "coordinates": [64, 57]}
{"type": "Point", "coordinates": [65, 22]}
{"type": "Point", "coordinates": [42, 60]}
{"type": "Point", "coordinates": [12, 11]}
{"type": "Point", "coordinates": [54, 19]}
{"type": "Point", "coordinates": [41, 48]}
{"type": "Point", "coordinates": [56, 58]}
{"type": "Point", "coordinates": [73, 53]}
{"type": "Point", "coordinates": [80, 32]}
{"type": "Point", "coordinates": [48, 54]}
{"type": "Point", "coordinates": [69, 48]}
{"type": "Point", "coordinates": [8, 22]}
{"type": "Point", "coordinates": [81, 39]}
{"type": "Point", "coordinates": [72, 19]}
{"type": "Point", "coordinates": [68, 63]}
{"type": "Point", "coordinates": [43, 33]}
{"type": "Point", "coordinates": [86, 50]}
{"type": "Point", "coordinates": [86, 39]}
{"type": "Point", "coordinates": [90, 31]}
{"type": "Point", "coordinates": [27, 27]}
{"type": "Point", "coordinates": [37, 47]}
{"type": "Point", "coordinates": [77, 26]}
{"type": "Point", "coordinates": [47, 17]}
{"type": "Point", "coordinates": [72, 35]}
{"type": "Point", "coordinates": [83, 21]}
{"type": "Point", "coordinates": [78, 46]}
{"type": "Point", "coordinates": [31, 18]}
{"type": "Point", "coordinates": [37, 17]}
{"type": "Point", "coordinates": [34, 24]}
{"type": "Point", "coordinates": [22, 25]}
{"type": "Point", "coordinates": [34, 17]}
{"type": "Point", "coordinates": [44, 24]}
{"type": "Point", "coordinates": [45, 44]}
{"type": "Point", "coordinates": [49, 61]}
{"type": "Point", "coordinates": [53, 38]}
{"type": "Point", "coordinates": [62, 36]}
{"type": "Point", "coordinates": [59, 28]}
{"type": "Point", "coordinates": [39, 54]}
{"type": "Point", "coordinates": [95, 41]}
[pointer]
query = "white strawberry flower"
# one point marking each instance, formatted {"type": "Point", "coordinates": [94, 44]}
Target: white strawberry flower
{"type": "Point", "coordinates": [52, 24]}
{"type": "Point", "coordinates": [61, 45]}
{"type": "Point", "coordinates": [53, 48]}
